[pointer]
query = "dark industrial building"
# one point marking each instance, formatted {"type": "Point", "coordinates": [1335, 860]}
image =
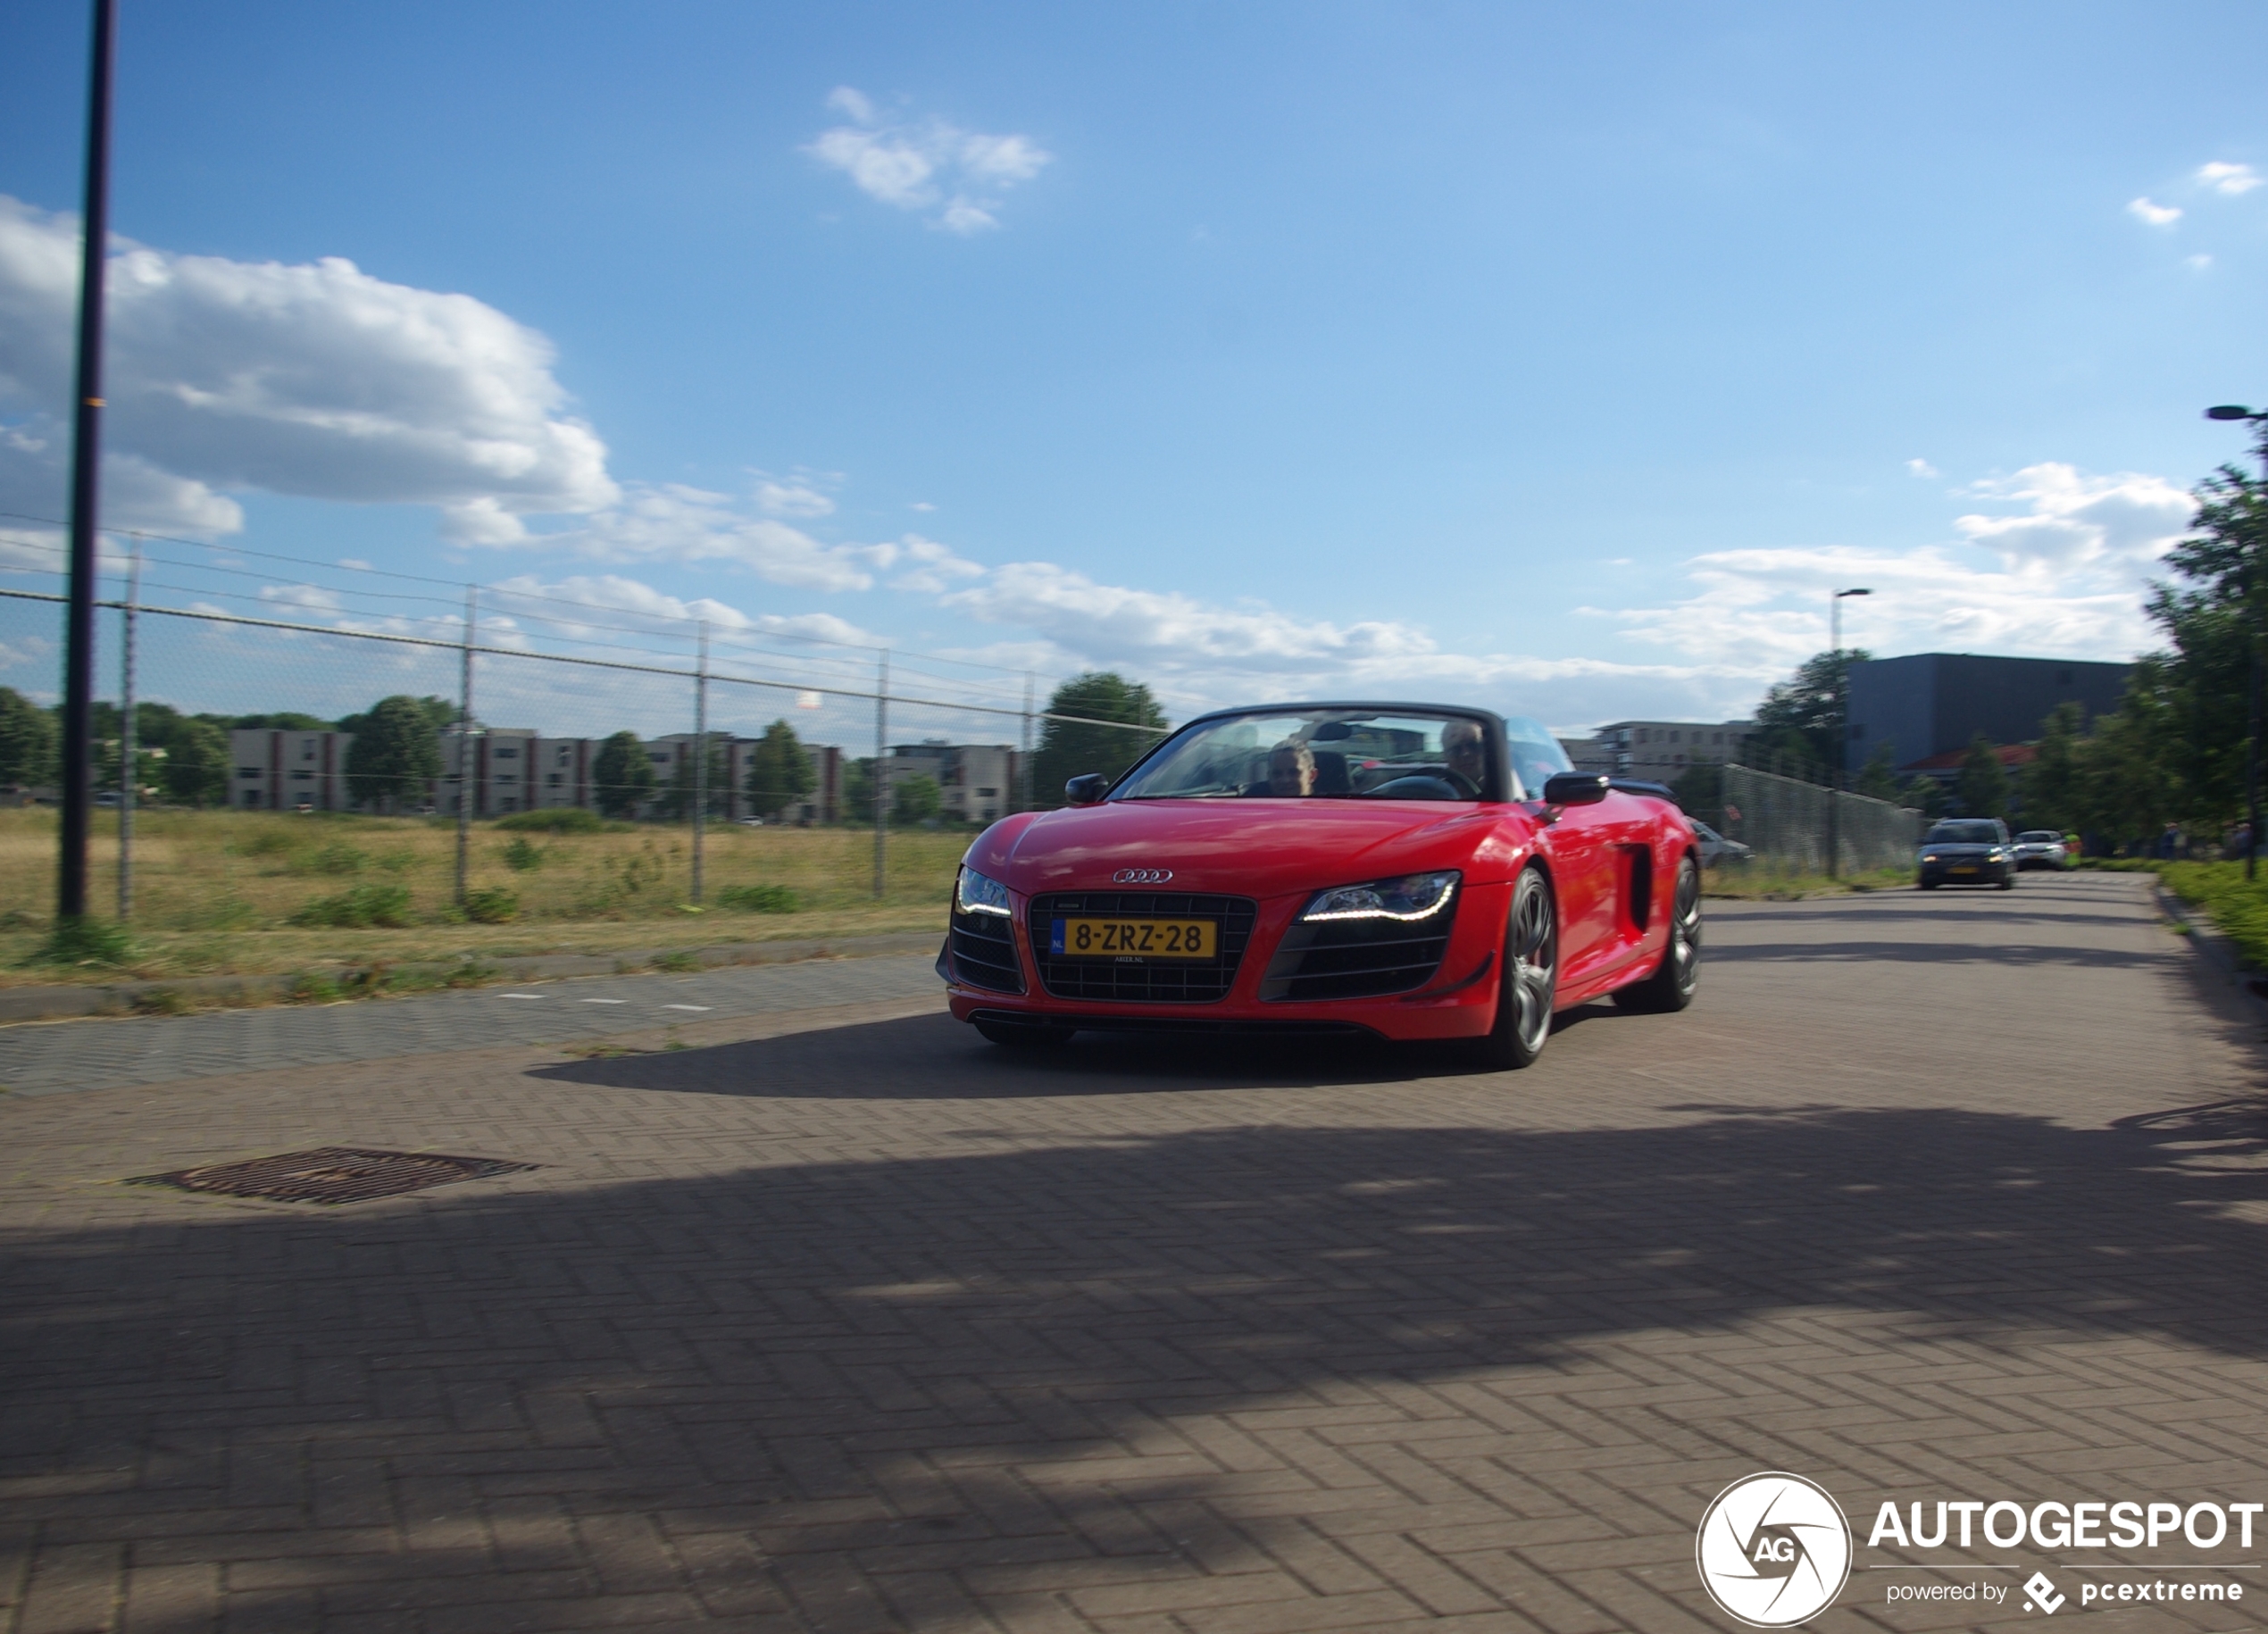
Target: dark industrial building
{"type": "Point", "coordinates": [1934, 702]}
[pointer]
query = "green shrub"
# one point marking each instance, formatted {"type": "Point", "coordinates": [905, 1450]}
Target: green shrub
{"type": "Point", "coordinates": [562, 820]}
{"type": "Point", "coordinates": [315, 988]}
{"type": "Point", "coordinates": [85, 941]}
{"type": "Point", "coordinates": [491, 904]}
{"type": "Point", "coordinates": [359, 907]}
{"type": "Point", "coordinates": [757, 898]}
{"type": "Point", "coordinates": [521, 857]}
{"type": "Point", "coordinates": [266, 842]}
{"type": "Point", "coordinates": [681, 960]}
{"type": "Point", "coordinates": [338, 857]}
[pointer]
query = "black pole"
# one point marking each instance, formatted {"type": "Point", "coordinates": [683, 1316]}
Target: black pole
{"type": "Point", "coordinates": [86, 460]}
{"type": "Point", "coordinates": [2252, 751]}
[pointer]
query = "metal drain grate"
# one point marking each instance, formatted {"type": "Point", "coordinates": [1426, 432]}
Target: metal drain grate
{"type": "Point", "coordinates": [332, 1174]}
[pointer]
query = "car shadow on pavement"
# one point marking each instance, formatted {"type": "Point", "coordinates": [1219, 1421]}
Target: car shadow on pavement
{"type": "Point", "coordinates": [938, 1361]}
{"type": "Point", "coordinates": [936, 1058]}
{"type": "Point", "coordinates": [1942, 953]}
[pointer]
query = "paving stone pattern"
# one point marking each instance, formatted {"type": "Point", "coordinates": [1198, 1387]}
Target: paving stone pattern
{"type": "Point", "coordinates": [868, 1326]}
{"type": "Point", "coordinates": [48, 1058]}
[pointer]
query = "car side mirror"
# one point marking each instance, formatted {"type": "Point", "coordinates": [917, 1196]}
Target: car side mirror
{"type": "Point", "coordinates": [1575, 788]}
{"type": "Point", "coordinates": [1087, 788]}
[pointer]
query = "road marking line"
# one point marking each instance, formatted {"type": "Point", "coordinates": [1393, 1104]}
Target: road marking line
{"type": "Point", "coordinates": [685, 1006]}
{"type": "Point", "coordinates": [602, 1001]}
{"type": "Point", "coordinates": [523, 995]}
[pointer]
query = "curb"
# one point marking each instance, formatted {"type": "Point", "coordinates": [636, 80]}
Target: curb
{"type": "Point", "coordinates": [18, 1005]}
{"type": "Point", "coordinates": [2216, 948]}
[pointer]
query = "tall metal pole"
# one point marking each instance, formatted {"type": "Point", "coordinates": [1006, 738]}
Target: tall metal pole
{"type": "Point", "coordinates": [700, 756]}
{"type": "Point", "coordinates": [2252, 644]}
{"type": "Point", "coordinates": [464, 745]}
{"type": "Point", "coordinates": [1024, 770]}
{"type": "Point", "coordinates": [127, 750]}
{"type": "Point", "coordinates": [880, 780]}
{"type": "Point", "coordinates": [86, 459]}
{"type": "Point", "coordinates": [1842, 726]}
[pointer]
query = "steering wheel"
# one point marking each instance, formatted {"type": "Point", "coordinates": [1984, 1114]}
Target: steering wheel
{"type": "Point", "coordinates": [1458, 780]}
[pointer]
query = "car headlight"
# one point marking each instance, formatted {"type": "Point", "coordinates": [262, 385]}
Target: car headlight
{"type": "Point", "coordinates": [976, 894]}
{"type": "Point", "coordinates": [1410, 897]}
{"type": "Point", "coordinates": [1996, 856]}
{"type": "Point", "coordinates": [1929, 856]}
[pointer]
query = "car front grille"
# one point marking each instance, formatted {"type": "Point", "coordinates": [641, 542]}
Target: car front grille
{"type": "Point", "coordinates": [1164, 981]}
{"type": "Point", "coordinates": [1357, 958]}
{"type": "Point", "coordinates": [984, 952]}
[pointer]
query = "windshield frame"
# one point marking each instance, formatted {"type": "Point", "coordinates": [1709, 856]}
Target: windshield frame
{"type": "Point", "coordinates": [1499, 787]}
{"type": "Point", "coordinates": [1989, 825]}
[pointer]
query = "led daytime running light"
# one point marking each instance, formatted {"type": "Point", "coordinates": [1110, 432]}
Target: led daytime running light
{"type": "Point", "coordinates": [974, 893]}
{"type": "Point", "coordinates": [1317, 913]}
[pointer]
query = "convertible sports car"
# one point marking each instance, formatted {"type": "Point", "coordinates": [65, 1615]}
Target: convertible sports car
{"type": "Point", "coordinates": [1403, 871]}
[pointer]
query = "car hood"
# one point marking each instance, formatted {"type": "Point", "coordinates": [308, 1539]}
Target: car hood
{"type": "Point", "coordinates": [1244, 847]}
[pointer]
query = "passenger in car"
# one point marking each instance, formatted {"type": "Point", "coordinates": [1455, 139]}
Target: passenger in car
{"type": "Point", "coordinates": [1465, 750]}
{"type": "Point", "coordinates": [1291, 771]}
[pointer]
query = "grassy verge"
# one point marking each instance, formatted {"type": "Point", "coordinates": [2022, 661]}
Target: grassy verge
{"type": "Point", "coordinates": [1761, 882]}
{"type": "Point", "coordinates": [262, 893]}
{"type": "Point", "coordinates": [2219, 889]}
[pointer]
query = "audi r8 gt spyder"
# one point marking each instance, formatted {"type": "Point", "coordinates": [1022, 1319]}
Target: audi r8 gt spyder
{"type": "Point", "coordinates": [1396, 870]}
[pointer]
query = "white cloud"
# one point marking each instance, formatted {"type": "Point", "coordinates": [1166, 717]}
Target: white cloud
{"type": "Point", "coordinates": [921, 504]}
{"type": "Point", "coordinates": [959, 174]}
{"type": "Point", "coordinates": [2197, 262]}
{"type": "Point", "coordinates": [2062, 575]}
{"type": "Point", "coordinates": [316, 380]}
{"type": "Point", "coordinates": [2154, 214]}
{"type": "Point", "coordinates": [792, 499]}
{"type": "Point", "coordinates": [2223, 176]}
{"type": "Point", "coordinates": [1921, 468]}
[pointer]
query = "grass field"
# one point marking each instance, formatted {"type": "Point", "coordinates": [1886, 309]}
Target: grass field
{"type": "Point", "coordinates": [1760, 881]}
{"type": "Point", "coordinates": [252, 893]}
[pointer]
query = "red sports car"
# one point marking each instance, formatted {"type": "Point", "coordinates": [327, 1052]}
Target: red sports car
{"type": "Point", "coordinates": [1402, 871]}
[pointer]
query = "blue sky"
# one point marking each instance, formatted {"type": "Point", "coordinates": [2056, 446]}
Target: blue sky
{"type": "Point", "coordinates": [1559, 358]}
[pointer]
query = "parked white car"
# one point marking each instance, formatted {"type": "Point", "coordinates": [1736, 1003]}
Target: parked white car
{"type": "Point", "coordinates": [1716, 848]}
{"type": "Point", "coordinates": [2041, 848]}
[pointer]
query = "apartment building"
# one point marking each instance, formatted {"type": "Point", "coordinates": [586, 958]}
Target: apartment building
{"type": "Point", "coordinates": [1663, 751]}
{"type": "Point", "coordinates": [273, 770]}
{"type": "Point", "coordinates": [976, 782]}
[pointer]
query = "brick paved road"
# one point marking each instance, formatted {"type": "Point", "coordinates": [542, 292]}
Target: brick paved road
{"type": "Point", "coordinates": [53, 1058]}
{"type": "Point", "coordinates": [865, 1326]}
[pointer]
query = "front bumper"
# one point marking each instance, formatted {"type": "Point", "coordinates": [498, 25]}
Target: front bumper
{"type": "Point", "coordinates": [1962, 874]}
{"type": "Point", "coordinates": [1458, 1000]}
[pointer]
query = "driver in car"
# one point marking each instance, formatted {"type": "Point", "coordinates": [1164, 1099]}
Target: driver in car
{"type": "Point", "coordinates": [1465, 750]}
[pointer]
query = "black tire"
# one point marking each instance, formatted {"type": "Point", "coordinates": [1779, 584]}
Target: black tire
{"type": "Point", "coordinates": [1925, 885]}
{"type": "Point", "coordinates": [1529, 980]}
{"type": "Point", "coordinates": [1011, 1037]}
{"type": "Point", "coordinates": [1671, 988]}
{"type": "Point", "coordinates": [2008, 881]}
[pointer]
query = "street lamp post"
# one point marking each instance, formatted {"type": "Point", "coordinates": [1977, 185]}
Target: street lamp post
{"type": "Point", "coordinates": [2236, 411]}
{"type": "Point", "coordinates": [1842, 726]}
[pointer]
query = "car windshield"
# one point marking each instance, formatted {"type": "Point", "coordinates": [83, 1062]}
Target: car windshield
{"type": "Point", "coordinates": [1326, 753]}
{"type": "Point", "coordinates": [2040, 837]}
{"type": "Point", "coordinates": [1965, 834]}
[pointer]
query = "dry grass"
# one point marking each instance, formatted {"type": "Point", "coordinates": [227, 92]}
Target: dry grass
{"type": "Point", "coordinates": [216, 892]}
{"type": "Point", "coordinates": [1760, 881]}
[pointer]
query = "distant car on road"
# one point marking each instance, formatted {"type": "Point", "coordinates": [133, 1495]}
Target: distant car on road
{"type": "Point", "coordinates": [1968, 851]}
{"type": "Point", "coordinates": [2041, 848]}
{"type": "Point", "coordinates": [1716, 848]}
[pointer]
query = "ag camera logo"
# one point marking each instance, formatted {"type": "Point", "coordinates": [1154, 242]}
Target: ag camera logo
{"type": "Point", "coordinates": [1773, 1550]}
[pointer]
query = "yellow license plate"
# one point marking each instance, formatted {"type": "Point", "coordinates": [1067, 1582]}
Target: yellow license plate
{"type": "Point", "coordinates": [1966, 869]}
{"type": "Point", "coordinates": [1134, 939]}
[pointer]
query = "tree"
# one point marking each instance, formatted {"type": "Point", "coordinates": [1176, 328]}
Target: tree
{"type": "Point", "coordinates": [196, 763]}
{"type": "Point", "coordinates": [281, 720]}
{"type": "Point", "coordinates": [395, 755]}
{"type": "Point", "coordinates": [2125, 796]}
{"type": "Point", "coordinates": [27, 742]}
{"type": "Point", "coordinates": [858, 790]}
{"type": "Point", "coordinates": [1801, 717]}
{"type": "Point", "coordinates": [622, 777]}
{"type": "Point", "coordinates": [779, 773]}
{"type": "Point", "coordinates": [1876, 779]}
{"type": "Point", "coordinates": [676, 803]}
{"type": "Point", "coordinates": [914, 799]}
{"type": "Point", "coordinates": [2050, 784]}
{"type": "Point", "coordinates": [1068, 748]}
{"type": "Point", "coordinates": [441, 711]}
{"type": "Point", "coordinates": [1925, 795]}
{"type": "Point", "coordinates": [1983, 789]}
{"type": "Point", "coordinates": [1700, 793]}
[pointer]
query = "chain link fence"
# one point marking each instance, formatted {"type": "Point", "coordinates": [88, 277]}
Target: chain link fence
{"type": "Point", "coordinates": [1792, 826]}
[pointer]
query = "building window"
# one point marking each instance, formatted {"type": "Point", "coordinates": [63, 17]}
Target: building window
{"type": "Point", "coordinates": [988, 794]}
{"type": "Point", "coordinates": [1677, 737]}
{"type": "Point", "coordinates": [554, 780]}
{"type": "Point", "coordinates": [247, 772]}
{"type": "Point", "coordinates": [505, 754]}
{"type": "Point", "coordinates": [252, 796]}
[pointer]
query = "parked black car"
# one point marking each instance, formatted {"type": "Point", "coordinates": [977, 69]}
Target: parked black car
{"type": "Point", "coordinates": [1968, 851]}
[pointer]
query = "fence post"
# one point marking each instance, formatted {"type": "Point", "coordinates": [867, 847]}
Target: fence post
{"type": "Point", "coordinates": [464, 745]}
{"type": "Point", "coordinates": [879, 782]}
{"type": "Point", "coordinates": [126, 741]}
{"type": "Point", "coordinates": [700, 756]}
